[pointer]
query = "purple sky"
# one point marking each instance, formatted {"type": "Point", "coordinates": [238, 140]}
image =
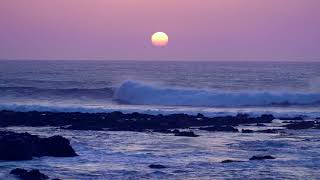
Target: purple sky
{"type": "Point", "coordinates": [197, 29]}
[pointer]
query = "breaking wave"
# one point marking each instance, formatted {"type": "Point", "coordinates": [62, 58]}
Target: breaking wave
{"type": "Point", "coordinates": [138, 93]}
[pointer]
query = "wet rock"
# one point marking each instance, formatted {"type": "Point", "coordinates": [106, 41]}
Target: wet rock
{"type": "Point", "coordinates": [56, 146]}
{"type": "Point", "coordinates": [29, 175]}
{"type": "Point", "coordinates": [82, 127]}
{"type": "Point", "coordinates": [301, 125]}
{"type": "Point", "coordinates": [261, 157]}
{"type": "Point", "coordinates": [266, 118]}
{"type": "Point", "coordinates": [269, 131]}
{"type": "Point", "coordinates": [230, 161]}
{"type": "Point", "coordinates": [18, 171]}
{"type": "Point", "coordinates": [16, 146]}
{"type": "Point", "coordinates": [24, 146]}
{"type": "Point", "coordinates": [291, 118]}
{"type": "Point", "coordinates": [186, 134]}
{"type": "Point", "coordinates": [247, 131]}
{"type": "Point", "coordinates": [157, 166]}
{"type": "Point", "coordinates": [220, 128]}
{"type": "Point", "coordinates": [118, 121]}
{"type": "Point", "coordinates": [167, 131]}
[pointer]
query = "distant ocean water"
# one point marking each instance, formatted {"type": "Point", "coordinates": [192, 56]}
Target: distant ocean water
{"type": "Point", "coordinates": [211, 88]}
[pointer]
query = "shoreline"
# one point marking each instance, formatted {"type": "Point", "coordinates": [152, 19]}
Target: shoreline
{"type": "Point", "coordinates": [182, 129]}
{"type": "Point", "coordinates": [118, 121]}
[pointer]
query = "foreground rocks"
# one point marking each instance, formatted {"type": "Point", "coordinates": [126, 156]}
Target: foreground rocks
{"type": "Point", "coordinates": [29, 175]}
{"type": "Point", "coordinates": [119, 121]}
{"type": "Point", "coordinates": [24, 146]}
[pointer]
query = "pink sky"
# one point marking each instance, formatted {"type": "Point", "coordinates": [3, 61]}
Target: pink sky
{"type": "Point", "coordinates": [198, 29]}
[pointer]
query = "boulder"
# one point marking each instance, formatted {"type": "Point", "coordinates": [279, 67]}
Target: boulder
{"type": "Point", "coordinates": [56, 146]}
{"type": "Point", "coordinates": [24, 146]}
{"type": "Point", "coordinates": [15, 146]}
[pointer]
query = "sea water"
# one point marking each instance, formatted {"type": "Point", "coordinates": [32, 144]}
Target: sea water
{"type": "Point", "coordinates": [211, 88]}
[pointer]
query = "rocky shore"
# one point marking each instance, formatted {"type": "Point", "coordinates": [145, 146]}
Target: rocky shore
{"type": "Point", "coordinates": [118, 121]}
{"type": "Point", "coordinates": [24, 146]}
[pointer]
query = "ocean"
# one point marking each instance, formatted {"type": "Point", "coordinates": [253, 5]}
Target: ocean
{"type": "Point", "coordinates": [211, 88]}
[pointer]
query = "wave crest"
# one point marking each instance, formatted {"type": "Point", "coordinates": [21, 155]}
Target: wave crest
{"type": "Point", "coordinates": [133, 92]}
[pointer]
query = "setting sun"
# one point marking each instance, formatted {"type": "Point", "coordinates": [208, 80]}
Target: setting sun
{"type": "Point", "coordinates": [159, 39]}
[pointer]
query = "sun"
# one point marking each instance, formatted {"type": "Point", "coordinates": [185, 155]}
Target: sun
{"type": "Point", "coordinates": [160, 39]}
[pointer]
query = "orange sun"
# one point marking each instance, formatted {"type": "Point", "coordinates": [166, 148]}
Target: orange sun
{"type": "Point", "coordinates": [160, 39]}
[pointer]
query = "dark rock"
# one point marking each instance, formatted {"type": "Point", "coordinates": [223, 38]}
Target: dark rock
{"type": "Point", "coordinates": [18, 171]}
{"type": "Point", "coordinates": [157, 166]}
{"type": "Point", "coordinates": [186, 134]}
{"type": "Point", "coordinates": [166, 131]}
{"type": "Point", "coordinates": [200, 115]}
{"type": "Point", "coordinates": [230, 161]}
{"type": "Point", "coordinates": [291, 118]}
{"type": "Point", "coordinates": [82, 127]}
{"type": "Point", "coordinates": [269, 131]}
{"type": "Point", "coordinates": [266, 118]}
{"type": "Point", "coordinates": [118, 121]}
{"type": "Point", "coordinates": [56, 146]}
{"type": "Point", "coordinates": [15, 146]}
{"type": "Point", "coordinates": [261, 157]}
{"type": "Point", "coordinates": [301, 125]}
{"type": "Point", "coordinates": [23, 146]}
{"type": "Point", "coordinates": [31, 175]}
{"type": "Point", "coordinates": [247, 131]}
{"type": "Point", "coordinates": [220, 128]}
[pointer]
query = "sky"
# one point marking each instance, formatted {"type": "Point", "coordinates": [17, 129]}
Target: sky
{"type": "Point", "coordinates": [259, 30]}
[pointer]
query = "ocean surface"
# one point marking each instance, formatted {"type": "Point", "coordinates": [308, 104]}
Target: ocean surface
{"type": "Point", "coordinates": [211, 88]}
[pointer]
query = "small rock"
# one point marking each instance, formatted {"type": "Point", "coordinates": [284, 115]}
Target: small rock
{"type": "Point", "coordinates": [247, 131]}
{"type": "Point", "coordinates": [157, 166]}
{"type": "Point", "coordinates": [230, 161]}
{"type": "Point", "coordinates": [186, 134]}
{"type": "Point", "coordinates": [261, 157]}
{"type": "Point", "coordinates": [269, 131]}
